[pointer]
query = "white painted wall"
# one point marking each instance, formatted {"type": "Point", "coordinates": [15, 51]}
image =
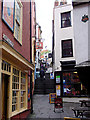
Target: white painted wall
{"type": "Point", "coordinates": [80, 33]}
{"type": "Point", "coordinates": [62, 34]}
{"type": "Point", "coordinates": [89, 32]}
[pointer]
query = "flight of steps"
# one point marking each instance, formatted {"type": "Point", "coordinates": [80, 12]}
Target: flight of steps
{"type": "Point", "coordinates": [44, 86]}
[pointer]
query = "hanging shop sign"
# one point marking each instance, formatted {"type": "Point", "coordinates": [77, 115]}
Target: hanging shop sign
{"type": "Point", "coordinates": [39, 45]}
{"type": "Point", "coordinates": [85, 18]}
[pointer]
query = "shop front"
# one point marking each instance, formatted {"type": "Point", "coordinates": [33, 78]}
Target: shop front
{"type": "Point", "coordinates": [68, 83]}
{"type": "Point", "coordinates": [15, 71]}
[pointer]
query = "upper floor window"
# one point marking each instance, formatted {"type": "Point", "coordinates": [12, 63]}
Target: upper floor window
{"type": "Point", "coordinates": [65, 19]}
{"type": "Point", "coordinates": [18, 21]}
{"type": "Point", "coordinates": [12, 17]}
{"type": "Point", "coordinates": [67, 50]}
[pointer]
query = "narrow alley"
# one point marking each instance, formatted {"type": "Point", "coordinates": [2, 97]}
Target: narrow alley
{"type": "Point", "coordinates": [43, 109]}
{"type": "Point", "coordinates": [44, 59]}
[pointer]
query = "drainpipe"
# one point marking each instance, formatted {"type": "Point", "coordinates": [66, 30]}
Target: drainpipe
{"type": "Point", "coordinates": [31, 96]}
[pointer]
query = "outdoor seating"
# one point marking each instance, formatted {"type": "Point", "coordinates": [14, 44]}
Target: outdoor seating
{"type": "Point", "coordinates": [85, 103]}
{"type": "Point", "coordinates": [79, 111]}
{"type": "Point", "coordinates": [86, 114]}
{"type": "Point", "coordinates": [83, 110]}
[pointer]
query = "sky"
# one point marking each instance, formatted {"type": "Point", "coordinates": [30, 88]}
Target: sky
{"type": "Point", "coordinates": [44, 17]}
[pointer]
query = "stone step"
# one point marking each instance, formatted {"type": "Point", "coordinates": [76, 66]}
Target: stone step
{"type": "Point", "coordinates": [45, 81]}
{"type": "Point", "coordinates": [46, 91]}
{"type": "Point", "coordinates": [43, 86]}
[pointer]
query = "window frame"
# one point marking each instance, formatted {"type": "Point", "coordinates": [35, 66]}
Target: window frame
{"type": "Point", "coordinates": [63, 56]}
{"type": "Point", "coordinates": [19, 90]}
{"type": "Point", "coordinates": [66, 19]}
{"type": "Point", "coordinates": [15, 75]}
{"type": "Point", "coordinates": [22, 89]}
{"type": "Point", "coordinates": [19, 39]}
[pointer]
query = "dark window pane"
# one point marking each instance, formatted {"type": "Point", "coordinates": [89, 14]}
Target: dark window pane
{"type": "Point", "coordinates": [67, 48]}
{"type": "Point", "coordinates": [66, 19]}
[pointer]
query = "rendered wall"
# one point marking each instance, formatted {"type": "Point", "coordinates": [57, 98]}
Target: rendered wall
{"type": "Point", "coordinates": [62, 34]}
{"type": "Point", "coordinates": [80, 33]}
{"type": "Point", "coordinates": [89, 33]}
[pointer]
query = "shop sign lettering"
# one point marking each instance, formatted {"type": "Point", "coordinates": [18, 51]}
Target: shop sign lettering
{"type": "Point", "coordinates": [8, 40]}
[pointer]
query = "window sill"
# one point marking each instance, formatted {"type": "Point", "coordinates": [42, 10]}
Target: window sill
{"type": "Point", "coordinates": [17, 112]}
{"type": "Point", "coordinates": [68, 57]}
{"type": "Point", "coordinates": [66, 27]}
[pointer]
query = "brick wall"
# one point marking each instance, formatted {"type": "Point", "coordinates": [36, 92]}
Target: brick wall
{"type": "Point", "coordinates": [23, 49]}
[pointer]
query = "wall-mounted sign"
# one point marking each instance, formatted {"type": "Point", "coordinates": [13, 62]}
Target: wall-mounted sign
{"type": "Point", "coordinates": [58, 90]}
{"type": "Point", "coordinates": [8, 13]}
{"type": "Point", "coordinates": [85, 18]}
{"type": "Point", "coordinates": [8, 40]}
{"type": "Point", "coordinates": [51, 75]}
{"type": "Point", "coordinates": [57, 79]}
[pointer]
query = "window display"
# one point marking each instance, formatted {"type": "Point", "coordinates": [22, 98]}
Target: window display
{"type": "Point", "coordinates": [71, 84]}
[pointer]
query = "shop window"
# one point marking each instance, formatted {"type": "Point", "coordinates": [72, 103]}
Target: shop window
{"type": "Point", "coordinates": [18, 21]}
{"type": "Point", "coordinates": [15, 89]}
{"type": "Point", "coordinates": [67, 50]}
{"type": "Point", "coordinates": [23, 90]}
{"type": "Point", "coordinates": [18, 93]}
{"type": "Point", "coordinates": [65, 19]}
{"type": "Point", "coordinates": [71, 84]}
{"type": "Point", "coordinates": [6, 66]}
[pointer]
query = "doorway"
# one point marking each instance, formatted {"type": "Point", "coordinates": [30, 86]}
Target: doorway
{"type": "Point", "coordinates": [5, 95]}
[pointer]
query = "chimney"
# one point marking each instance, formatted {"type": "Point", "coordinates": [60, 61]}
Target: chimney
{"type": "Point", "coordinates": [56, 3]}
{"type": "Point", "coordinates": [63, 2]}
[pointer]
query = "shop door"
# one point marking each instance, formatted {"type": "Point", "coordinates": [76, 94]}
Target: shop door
{"type": "Point", "coordinates": [5, 98]}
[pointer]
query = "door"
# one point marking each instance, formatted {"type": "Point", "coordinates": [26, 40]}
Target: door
{"type": "Point", "coordinates": [5, 89]}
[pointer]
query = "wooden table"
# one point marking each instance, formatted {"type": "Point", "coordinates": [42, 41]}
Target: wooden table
{"type": "Point", "coordinates": [78, 111]}
{"type": "Point", "coordinates": [85, 102]}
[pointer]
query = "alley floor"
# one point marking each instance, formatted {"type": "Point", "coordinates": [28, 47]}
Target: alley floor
{"type": "Point", "coordinates": [43, 109]}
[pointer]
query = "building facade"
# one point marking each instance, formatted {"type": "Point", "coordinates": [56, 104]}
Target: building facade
{"type": "Point", "coordinates": [39, 47]}
{"type": "Point", "coordinates": [67, 79]}
{"type": "Point", "coordinates": [16, 67]}
{"type": "Point", "coordinates": [81, 18]}
{"type": "Point", "coordinates": [33, 38]}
